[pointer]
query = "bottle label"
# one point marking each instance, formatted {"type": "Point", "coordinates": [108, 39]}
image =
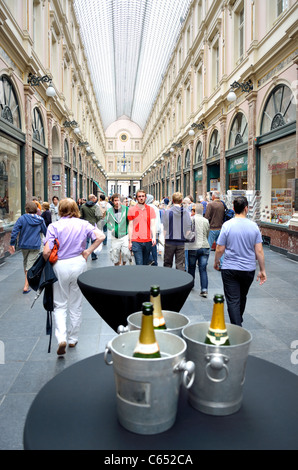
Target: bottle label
{"type": "Point", "coordinates": [146, 349]}
{"type": "Point", "coordinates": [217, 336]}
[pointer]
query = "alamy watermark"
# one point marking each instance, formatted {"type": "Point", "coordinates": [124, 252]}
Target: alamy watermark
{"type": "Point", "coordinates": [2, 352]}
{"type": "Point", "coordinates": [294, 355]}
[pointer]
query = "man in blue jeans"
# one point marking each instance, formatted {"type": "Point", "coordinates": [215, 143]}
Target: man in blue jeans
{"type": "Point", "coordinates": [240, 239]}
{"type": "Point", "coordinates": [199, 249]}
{"type": "Point", "coordinates": [141, 229]}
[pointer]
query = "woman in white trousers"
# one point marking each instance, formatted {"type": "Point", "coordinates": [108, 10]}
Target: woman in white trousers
{"type": "Point", "coordinates": [72, 233]}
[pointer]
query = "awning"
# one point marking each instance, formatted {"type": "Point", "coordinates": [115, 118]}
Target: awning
{"type": "Point", "coordinates": [99, 187]}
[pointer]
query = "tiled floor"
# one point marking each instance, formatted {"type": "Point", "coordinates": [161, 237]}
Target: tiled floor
{"type": "Point", "coordinates": [271, 316]}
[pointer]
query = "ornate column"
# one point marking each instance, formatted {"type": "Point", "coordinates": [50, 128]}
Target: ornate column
{"type": "Point", "coordinates": [222, 122]}
{"type": "Point", "coordinates": [204, 165]}
{"type": "Point", "coordinates": [28, 92]}
{"type": "Point", "coordinates": [251, 156]}
{"type": "Point", "coordinates": [50, 154]}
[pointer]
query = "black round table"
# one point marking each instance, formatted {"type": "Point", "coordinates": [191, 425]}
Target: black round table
{"type": "Point", "coordinates": [117, 291]}
{"type": "Point", "coordinates": [77, 410]}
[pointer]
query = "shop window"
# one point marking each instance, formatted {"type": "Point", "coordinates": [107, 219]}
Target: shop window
{"type": "Point", "coordinates": [38, 175]}
{"type": "Point", "coordinates": [74, 158]}
{"type": "Point", "coordinates": [214, 146]}
{"type": "Point", "coordinates": [80, 163]}
{"type": "Point", "coordinates": [9, 106]}
{"type": "Point", "coordinates": [10, 182]}
{"type": "Point", "coordinates": [239, 131]}
{"type": "Point", "coordinates": [277, 180]}
{"type": "Point", "coordinates": [280, 109]}
{"type": "Point", "coordinates": [199, 152]}
{"type": "Point", "coordinates": [37, 126]}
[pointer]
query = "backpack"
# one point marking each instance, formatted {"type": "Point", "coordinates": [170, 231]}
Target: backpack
{"type": "Point", "coordinates": [228, 214]}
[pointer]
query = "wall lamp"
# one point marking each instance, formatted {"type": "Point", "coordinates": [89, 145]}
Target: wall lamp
{"type": "Point", "coordinates": [33, 80]}
{"type": "Point", "coordinates": [245, 87]}
{"type": "Point", "coordinates": [199, 126]}
{"type": "Point", "coordinates": [72, 124]}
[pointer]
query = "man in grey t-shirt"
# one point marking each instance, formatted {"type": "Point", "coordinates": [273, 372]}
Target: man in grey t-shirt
{"type": "Point", "coordinates": [240, 239]}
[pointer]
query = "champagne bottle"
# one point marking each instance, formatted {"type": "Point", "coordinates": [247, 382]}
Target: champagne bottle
{"type": "Point", "coordinates": [158, 318]}
{"type": "Point", "coordinates": [217, 334]}
{"type": "Point", "coordinates": [147, 346]}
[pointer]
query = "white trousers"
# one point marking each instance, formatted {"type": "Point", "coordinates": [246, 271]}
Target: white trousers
{"type": "Point", "coordinates": [68, 294]}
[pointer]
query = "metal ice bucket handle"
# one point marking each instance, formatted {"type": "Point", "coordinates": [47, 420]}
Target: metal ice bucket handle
{"type": "Point", "coordinates": [122, 329]}
{"type": "Point", "coordinates": [108, 351]}
{"type": "Point", "coordinates": [188, 369]}
{"type": "Point", "coordinates": [216, 362]}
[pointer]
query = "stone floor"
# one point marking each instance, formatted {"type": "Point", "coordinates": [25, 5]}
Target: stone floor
{"type": "Point", "coordinates": [271, 316]}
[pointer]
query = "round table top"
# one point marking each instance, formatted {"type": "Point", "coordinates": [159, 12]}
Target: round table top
{"type": "Point", "coordinates": [77, 410]}
{"type": "Point", "coordinates": [129, 280]}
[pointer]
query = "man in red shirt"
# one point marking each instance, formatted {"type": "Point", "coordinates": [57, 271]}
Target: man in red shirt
{"type": "Point", "coordinates": [141, 229]}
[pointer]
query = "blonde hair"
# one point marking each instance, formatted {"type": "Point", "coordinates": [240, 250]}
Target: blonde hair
{"type": "Point", "coordinates": [45, 206]}
{"type": "Point", "coordinates": [177, 198]}
{"type": "Point", "coordinates": [68, 208]}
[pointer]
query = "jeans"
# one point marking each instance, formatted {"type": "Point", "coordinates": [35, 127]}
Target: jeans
{"type": "Point", "coordinates": [89, 240]}
{"type": "Point", "coordinates": [201, 255]}
{"type": "Point", "coordinates": [236, 286]}
{"type": "Point", "coordinates": [153, 254]}
{"type": "Point", "coordinates": [212, 237]}
{"type": "Point", "coordinates": [141, 251]}
{"type": "Point", "coordinates": [105, 230]}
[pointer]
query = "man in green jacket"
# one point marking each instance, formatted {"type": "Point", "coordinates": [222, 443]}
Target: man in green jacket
{"type": "Point", "coordinates": [117, 223]}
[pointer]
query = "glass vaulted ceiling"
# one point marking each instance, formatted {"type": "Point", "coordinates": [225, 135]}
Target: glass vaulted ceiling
{"type": "Point", "coordinates": [128, 44]}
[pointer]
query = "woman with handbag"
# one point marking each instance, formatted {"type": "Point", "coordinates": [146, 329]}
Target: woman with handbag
{"type": "Point", "coordinates": [71, 233]}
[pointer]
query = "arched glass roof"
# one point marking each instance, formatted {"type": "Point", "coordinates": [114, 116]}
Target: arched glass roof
{"type": "Point", "coordinates": [128, 44]}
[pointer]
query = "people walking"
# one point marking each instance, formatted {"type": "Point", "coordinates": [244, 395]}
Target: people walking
{"type": "Point", "coordinates": [141, 229]}
{"type": "Point", "coordinates": [199, 250]}
{"type": "Point", "coordinates": [30, 228]}
{"type": "Point", "coordinates": [117, 222]}
{"type": "Point", "coordinates": [54, 206]}
{"type": "Point", "coordinates": [71, 233]}
{"type": "Point", "coordinates": [91, 212]}
{"type": "Point", "coordinates": [177, 224]}
{"type": "Point", "coordinates": [241, 241]}
{"type": "Point", "coordinates": [214, 214]}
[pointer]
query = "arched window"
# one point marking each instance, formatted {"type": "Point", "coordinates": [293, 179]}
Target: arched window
{"type": "Point", "coordinates": [280, 109]}
{"type": "Point", "coordinates": [214, 146]}
{"type": "Point", "coordinates": [187, 159]}
{"type": "Point", "coordinates": [9, 106]}
{"type": "Point", "coordinates": [199, 152]}
{"type": "Point", "coordinates": [179, 163]}
{"type": "Point", "coordinates": [74, 158]}
{"type": "Point", "coordinates": [37, 126]}
{"type": "Point", "coordinates": [168, 169]}
{"type": "Point", "coordinates": [66, 151]}
{"type": "Point", "coordinates": [80, 163]}
{"type": "Point", "coordinates": [239, 131]}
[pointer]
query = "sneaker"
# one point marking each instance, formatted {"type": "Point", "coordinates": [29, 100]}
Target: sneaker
{"type": "Point", "coordinates": [204, 294]}
{"type": "Point", "coordinates": [61, 348]}
{"type": "Point", "coordinates": [72, 345]}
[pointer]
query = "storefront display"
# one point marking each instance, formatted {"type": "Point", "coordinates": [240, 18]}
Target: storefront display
{"type": "Point", "coordinates": [277, 180]}
{"type": "Point", "coordinates": [237, 172]}
{"type": "Point", "coordinates": [10, 182]}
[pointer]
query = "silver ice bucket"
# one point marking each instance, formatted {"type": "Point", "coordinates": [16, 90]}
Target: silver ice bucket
{"type": "Point", "coordinates": [219, 370]}
{"type": "Point", "coordinates": [147, 390]}
{"type": "Point", "coordinates": [175, 322]}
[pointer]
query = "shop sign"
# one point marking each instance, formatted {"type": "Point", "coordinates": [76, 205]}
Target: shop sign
{"type": "Point", "coordinates": [198, 175]}
{"type": "Point", "coordinates": [278, 166]}
{"type": "Point", "coordinates": [56, 183]}
{"type": "Point", "coordinates": [237, 164]}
